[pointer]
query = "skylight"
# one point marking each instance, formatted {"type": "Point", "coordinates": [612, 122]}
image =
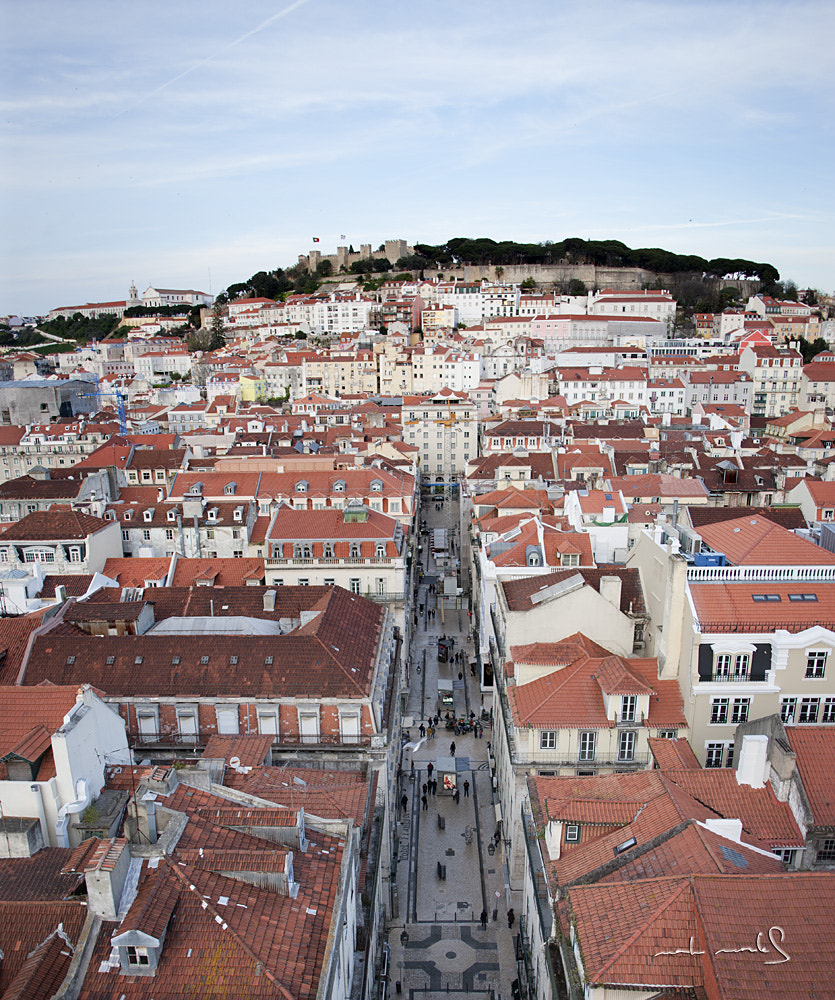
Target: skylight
{"type": "Point", "coordinates": [761, 598]}
{"type": "Point", "coordinates": [803, 597]}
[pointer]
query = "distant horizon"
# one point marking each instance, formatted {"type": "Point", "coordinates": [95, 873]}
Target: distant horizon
{"type": "Point", "coordinates": [327, 251]}
{"type": "Point", "coordinates": [195, 145]}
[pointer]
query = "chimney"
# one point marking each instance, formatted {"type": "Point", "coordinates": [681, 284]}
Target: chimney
{"type": "Point", "coordinates": [752, 768]}
{"type": "Point", "coordinates": [105, 875]}
{"type": "Point", "coordinates": [610, 589]}
{"type": "Point", "coordinates": [269, 600]}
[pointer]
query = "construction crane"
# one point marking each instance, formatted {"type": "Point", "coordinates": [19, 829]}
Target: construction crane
{"type": "Point", "coordinates": [98, 395]}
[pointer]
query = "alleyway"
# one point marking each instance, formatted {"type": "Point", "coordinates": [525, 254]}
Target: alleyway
{"type": "Point", "coordinates": [450, 867]}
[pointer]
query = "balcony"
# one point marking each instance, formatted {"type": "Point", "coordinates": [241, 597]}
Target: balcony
{"type": "Point", "coordinates": [194, 741]}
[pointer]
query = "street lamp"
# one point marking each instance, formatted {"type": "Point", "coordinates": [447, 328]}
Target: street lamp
{"type": "Point", "coordinates": [491, 848]}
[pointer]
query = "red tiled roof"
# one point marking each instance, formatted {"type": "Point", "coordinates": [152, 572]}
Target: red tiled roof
{"type": "Point", "coordinates": [29, 717]}
{"type": "Point", "coordinates": [730, 607]}
{"type": "Point", "coordinates": [250, 750]}
{"type": "Point", "coordinates": [815, 750]}
{"type": "Point", "coordinates": [518, 593]}
{"type": "Point", "coordinates": [14, 638]}
{"type": "Point", "coordinates": [672, 753]}
{"type": "Point", "coordinates": [27, 924]}
{"type": "Point", "coordinates": [758, 541]}
{"type": "Point", "coordinates": [53, 524]}
{"type": "Point", "coordinates": [764, 819]}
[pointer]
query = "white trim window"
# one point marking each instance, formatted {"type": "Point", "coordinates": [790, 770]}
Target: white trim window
{"type": "Point", "coordinates": [548, 739]}
{"type": "Point", "coordinates": [809, 710]}
{"type": "Point", "coordinates": [719, 754]}
{"type": "Point", "coordinates": [816, 663]}
{"type": "Point", "coordinates": [719, 711]}
{"type": "Point", "coordinates": [626, 745]}
{"type": "Point", "coordinates": [588, 745]}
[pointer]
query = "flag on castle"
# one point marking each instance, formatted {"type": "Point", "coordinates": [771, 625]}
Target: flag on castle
{"type": "Point", "coordinates": [315, 239]}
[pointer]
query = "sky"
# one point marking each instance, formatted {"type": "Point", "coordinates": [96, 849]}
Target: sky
{"type": "Point", "coordinates": [189, 145]}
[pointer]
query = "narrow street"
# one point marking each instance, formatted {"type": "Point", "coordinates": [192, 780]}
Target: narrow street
{"type": "Point", "coordinates": [450, 865]}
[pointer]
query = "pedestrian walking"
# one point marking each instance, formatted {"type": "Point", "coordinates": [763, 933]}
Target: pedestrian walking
{"type": "Point", "coordinates": [404, 802]}
{"type": "Point", "coordinates": [430, 767]}
{"type": "Point", "coordinates": [425, 788]}
{"type": "Point", "coordinates": [456, 796]}
{"type": "Point", "coordinates": [425, 801]}
{"type": "Point", "coordinates": [434, 786]}
{"type": "Point", "coordinates": [466, 789]}
{"type": "Point", "coordinates": [452, 749]}
{"type": "Point", "coordinates": [422, 730]}
{"type": "Point", "coordinates": [484, 920]}
{"type": "Point", "coordinates": [511, 917]}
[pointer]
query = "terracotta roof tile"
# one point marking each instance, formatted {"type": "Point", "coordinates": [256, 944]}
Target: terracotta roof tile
{"type": "Point", "coordinates": [758, 541]}
{"type": "Point", "coordinates": [731, 607]}
{"type": "Point", "coordinates": [815, 750]}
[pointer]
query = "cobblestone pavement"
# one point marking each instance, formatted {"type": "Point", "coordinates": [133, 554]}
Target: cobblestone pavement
{"type": "Point", "coordinates": [447, 874]}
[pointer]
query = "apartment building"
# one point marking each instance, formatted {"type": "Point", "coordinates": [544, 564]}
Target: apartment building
{"type": "Point", "coordinates": [444, 428]}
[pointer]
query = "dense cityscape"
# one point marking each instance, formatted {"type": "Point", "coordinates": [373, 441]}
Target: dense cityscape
{"type": "Point", "coordinates": [421, 619]}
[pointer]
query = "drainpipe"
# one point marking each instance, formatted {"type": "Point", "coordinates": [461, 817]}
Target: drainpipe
{"type": "Point", "coordinates": [82, 800]}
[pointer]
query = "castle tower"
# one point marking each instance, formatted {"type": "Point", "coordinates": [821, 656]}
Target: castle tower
{"type": "Point", "coordinates": [133, 296]}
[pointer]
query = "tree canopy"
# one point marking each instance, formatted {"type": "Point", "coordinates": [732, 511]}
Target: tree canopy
{"type": "Point", "coordinates": [604, 253]}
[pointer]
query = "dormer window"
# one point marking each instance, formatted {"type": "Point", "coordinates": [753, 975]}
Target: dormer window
{"type": "Point", "coordinates": [376, 486]}
{"type": "Point", "coordinates": [339, 486]}
{"type": "Point", "coordinates": [172, 515]}
{"type": "Point", "coordinates": [355, 550]}
{"type": "Point", "coordinates": [212, 515]}
{"type": "Point", "coordinates": [302, 486]}
{"type": "Point", "coordinates": [380, 550]}
{"type": "Point", "coordinates": [148, 515]}
{"type": "Point", "coordinates": [628, 707]}
{"type": "Point", "coordinates": [230, 488]}
{"type": "Point", "coordinates": [238, 514]}
{"type": "Point", "coordinates": [128, 515]}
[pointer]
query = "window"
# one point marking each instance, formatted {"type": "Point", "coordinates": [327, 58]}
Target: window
{"type": "Point", "coordinates": [354, 585]}
{"type": "Point", "coordinates": [816, 663]}
{"type": "Point", "coordinates": [715, 754]}
{"type": "Point", "coordinates": [75, 554]}
{"type": "Point", "coordinates": [626, 746]}
{"type": "Point", "coordinates": [588, 746]}
{"type": "Point", "coordinates": [169, 534]}
{"type": "Point", "coordinates": [826, 851]}
{"type": "Point", "coordinates": [741, 665]}
{"type": "Point", "coordinates": [327, 550]}
{"type": "Point", "coordinates": [628, 707]}
{"type": "Point", "coordinates": [809, 708]}
{"type": "Point", "coordinates": [828, 714]}
{"type": "Point", "coordinates": [304, 581]}
{"type": "Point", "coordinates": [786, 855]}
{"type": "Point", "coordinates": [137, 956]}
{"type": "Point", "coordinates": [355, 550]}
{"type": "Point", "coordinates": [667, 734]}
{"type": "Point", "coordinates": [718, 711]}
{"type": "Point", "coordinates": [739, 710]}
{"type": "Point", "coordinates": [548, 740]}
{"type": "Point", "coordinates": [788, 709]}
{"type": "Point", "coordinates": [39, 555]}
{"type": "Point", "coordinates": [572, 833]}
{"type": "Point", "coordinates": [146, 534]}
{"type": "Point", "coordinates": [723, 666]}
